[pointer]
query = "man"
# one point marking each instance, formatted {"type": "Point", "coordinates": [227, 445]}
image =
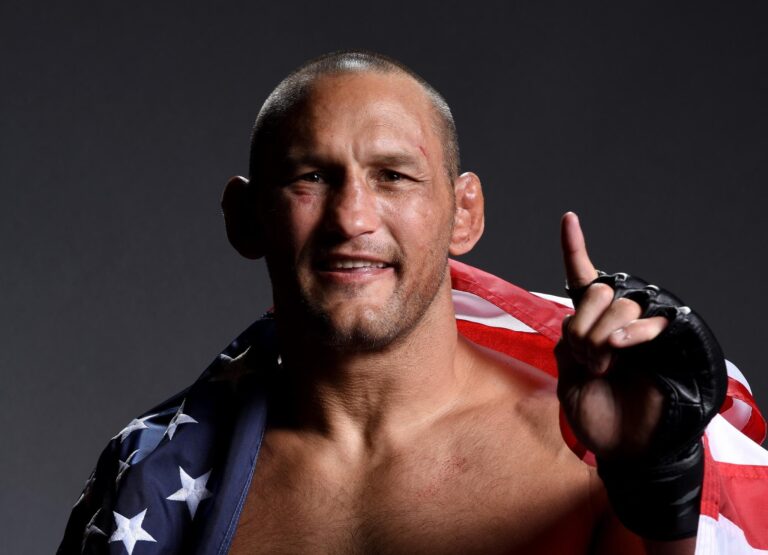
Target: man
{"type": "Point", "coordinates": [355, 419]}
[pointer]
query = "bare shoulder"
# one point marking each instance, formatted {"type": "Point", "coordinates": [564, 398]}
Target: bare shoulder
{"type": "Point", "coordinates": [520, 414]}
{"type": "Point", "coordinates": [519, 399]}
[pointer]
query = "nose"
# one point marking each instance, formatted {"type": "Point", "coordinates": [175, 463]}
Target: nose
{"type": "Point", "coordinates": [353, 208]}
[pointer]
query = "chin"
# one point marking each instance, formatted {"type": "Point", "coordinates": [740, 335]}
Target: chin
{"type": "Point", "coordinates": [370, 331]}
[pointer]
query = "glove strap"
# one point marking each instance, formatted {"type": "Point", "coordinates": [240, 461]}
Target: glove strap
{"type": "Point", "coordinates": [658, 500]}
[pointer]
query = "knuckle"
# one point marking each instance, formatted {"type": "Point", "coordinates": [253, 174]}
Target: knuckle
{"type": "Point", "coordinates": [576, 332]}
{"type": "Point", "coordinates": [627, 307]}
{"type": "Point", "coordinates": [600, 292]}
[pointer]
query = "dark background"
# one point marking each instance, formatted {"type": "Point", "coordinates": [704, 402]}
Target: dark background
{"type": "Point", "coordinates": [121, 122]}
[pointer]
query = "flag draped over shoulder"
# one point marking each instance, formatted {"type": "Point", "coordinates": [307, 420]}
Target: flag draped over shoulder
{"type": "Point", "coordinates": [734, 510]}
{"type": "Point", "coordinates": [174, 480]}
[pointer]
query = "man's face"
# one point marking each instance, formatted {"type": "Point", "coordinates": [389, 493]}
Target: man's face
{"type": "Point", "coordinates": [358, 210]}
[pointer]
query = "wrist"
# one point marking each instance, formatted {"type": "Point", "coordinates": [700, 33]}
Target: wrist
{"type": "Point", "coordinates": [658, 498]}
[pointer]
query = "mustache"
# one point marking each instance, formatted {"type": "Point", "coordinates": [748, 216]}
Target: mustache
{"type": "Point", "coordinates": [359, 246]}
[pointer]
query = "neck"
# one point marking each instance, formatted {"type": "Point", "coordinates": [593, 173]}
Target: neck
{"type": "Point", "coordinates": [364, 397]}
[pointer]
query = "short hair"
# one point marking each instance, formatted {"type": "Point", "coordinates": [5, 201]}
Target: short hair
{"type": "Point", "coordinates": [293, 89]}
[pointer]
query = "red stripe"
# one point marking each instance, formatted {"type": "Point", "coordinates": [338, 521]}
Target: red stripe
{"type": "Point", "coordinates": [744, 499]}
{"type": "Point", "coordinates": [740, 493]}
{"type": "Point", "coordinates": [540, 314]}
{"type": "Point", "coordinates": [755, 427]}
{"type": "Point", "coordinates": [531, 348]}
{"type": "Point", "coordinates": [710, 491]}
{"type": "Point", "coordinates": [727, 404]}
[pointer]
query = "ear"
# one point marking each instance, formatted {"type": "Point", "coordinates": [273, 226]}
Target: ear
{"type": "Point", "coordinates": [469, 217]}
{"type": "Point", "coordinates": [240, 216]}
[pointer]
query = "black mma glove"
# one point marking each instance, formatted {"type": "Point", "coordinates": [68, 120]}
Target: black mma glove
{"type": "Point", "coordinates": [658, 494]}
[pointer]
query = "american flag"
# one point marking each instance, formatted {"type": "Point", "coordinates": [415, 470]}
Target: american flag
{"type": "Point", "coordinates": [174, 480]}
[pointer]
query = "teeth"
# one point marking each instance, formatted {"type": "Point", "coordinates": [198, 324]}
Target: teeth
{"type": "Point", "coordinates": [348, 264]}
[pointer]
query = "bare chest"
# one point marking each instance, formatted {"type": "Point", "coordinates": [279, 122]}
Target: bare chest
{"type": "Point", "coordinates": [442, 499]}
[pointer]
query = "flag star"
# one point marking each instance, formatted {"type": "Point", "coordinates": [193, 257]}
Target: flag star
{"type": "Point", "coordinates": [129, 531]}
{"type": "Point", "coordinates": [179, 419]}
{"type": "Point", "coordinates": [135, 424]}
{"type": "Point", "coordinates": [192, 490]}
{"type": "Point", "coordinates": [91, 529]}
{"type": "Point", "coordinates": [124, 465]}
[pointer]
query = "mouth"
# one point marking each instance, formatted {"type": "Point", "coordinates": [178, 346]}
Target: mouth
{"type": "Point", "coordinates": [346, 265]}
{"type": "Point", "coordinates": [355, 268]}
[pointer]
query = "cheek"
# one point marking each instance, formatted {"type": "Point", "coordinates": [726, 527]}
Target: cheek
{"type": "Point", "coordinates": [293, 220]}
{"type": "Point", "coordinates": [421, 227]}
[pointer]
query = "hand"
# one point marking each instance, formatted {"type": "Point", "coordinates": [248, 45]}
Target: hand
{"type": "Point", "coordinates": [613, 413]}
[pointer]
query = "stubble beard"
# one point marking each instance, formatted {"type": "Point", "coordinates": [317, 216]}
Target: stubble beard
{"type": "Point", "coordinates": [374, 328]}
{"type": "Point", "coordinates": [377, 328]}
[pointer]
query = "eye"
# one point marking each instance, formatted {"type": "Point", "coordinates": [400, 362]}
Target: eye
{"type": "Point", "coordinates": [312, 177]}
{"type": "Point", "coordinates": [389, 175]}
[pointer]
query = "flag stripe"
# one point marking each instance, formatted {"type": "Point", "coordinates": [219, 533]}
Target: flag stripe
{"type": "Point", "coordinates": [723, 537]}
{"type": "Point", "coordinates": [745, 414]}
{"type": "Point", "coordinates": [735, 493]}
{"type": "Point", "coordinates": [472, 308]}
{"type": "Point", "coordinates": [540, 314]}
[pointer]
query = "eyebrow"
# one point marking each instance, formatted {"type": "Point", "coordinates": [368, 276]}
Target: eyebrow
{"type": "Point", "coordinates": [290, 161]}
{"type": "Point", "coordinates": [396, 160]}
{"type": "Point", "coordinates": [385, 159]}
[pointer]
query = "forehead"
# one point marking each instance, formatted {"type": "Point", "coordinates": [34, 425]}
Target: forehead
{"type": "Point", "coordinates": [375, 107]}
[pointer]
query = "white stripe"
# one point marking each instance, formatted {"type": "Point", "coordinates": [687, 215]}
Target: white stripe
{"type": "Point", "coordinates": [736, 374]}
{"type": "Point", "coordinates": [729, 445]}
{"type": "Point", "coordinates": [472, 308]}
{"type": "Point", "coordinates": [738, 414]}
{"type": "Point", "coordinates": [565, 301]}
{"type": "Point", "coordinates": [722, 537]}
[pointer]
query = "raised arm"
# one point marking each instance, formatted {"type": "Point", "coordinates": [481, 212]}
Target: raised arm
{"type": "Point", "coordinates": [640, 377]}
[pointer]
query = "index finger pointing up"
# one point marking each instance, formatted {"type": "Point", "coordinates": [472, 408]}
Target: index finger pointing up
{"type": "Point", "coordinates": [579, 270]}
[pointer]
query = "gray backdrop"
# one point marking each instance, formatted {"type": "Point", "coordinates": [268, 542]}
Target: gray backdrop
{"type": "Point", "coordinates": [121, 122]}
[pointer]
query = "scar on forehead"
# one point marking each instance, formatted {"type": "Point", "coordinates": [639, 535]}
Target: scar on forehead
{"type": "Point", "coordinates": [423, 151]}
